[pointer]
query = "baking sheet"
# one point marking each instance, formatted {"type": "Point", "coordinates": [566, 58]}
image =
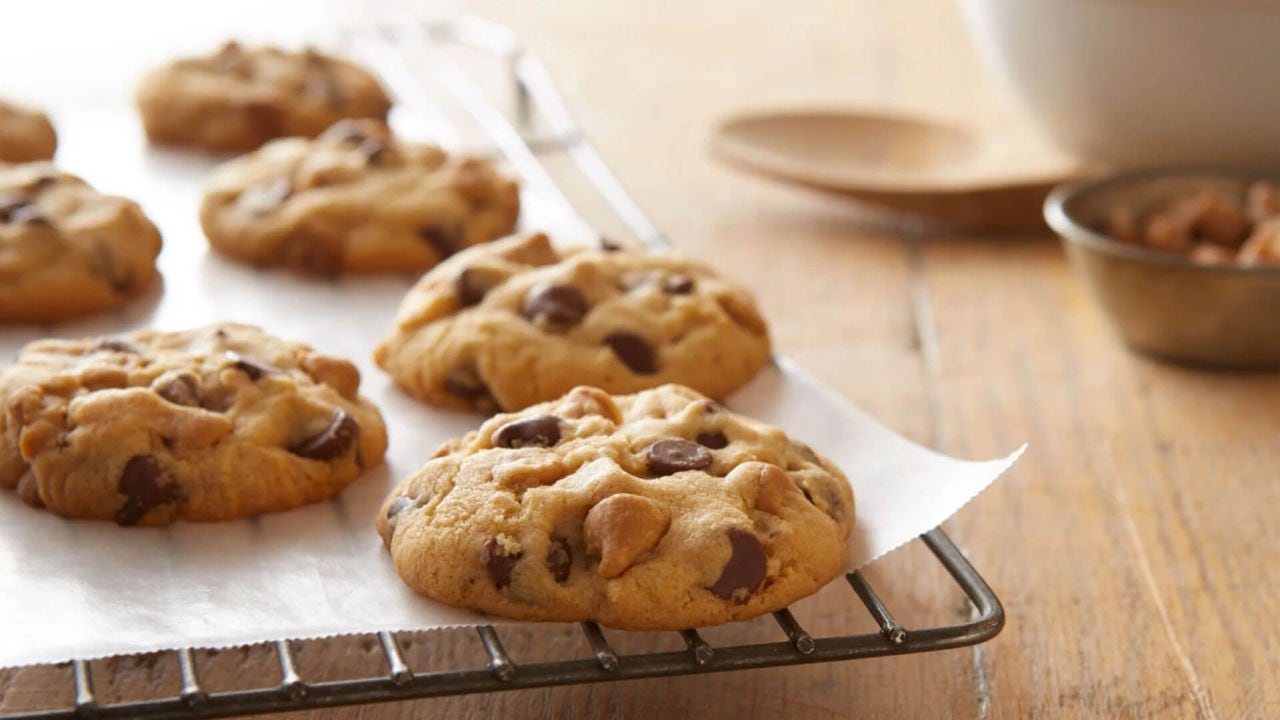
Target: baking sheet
{"type": "Point", "coordinates": [90, 589]}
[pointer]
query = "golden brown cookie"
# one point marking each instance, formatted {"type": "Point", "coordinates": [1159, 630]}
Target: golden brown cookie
{"type": "Point", "coordinates": [209, 424]}
{"type": "Point", "coordinates": [517, 321]}
{"type": "Point", "coordinates": [26, 135]}
{"type": "Point", "coordinates": [67, 250]}
{"type": "Point", "coordinates": [354, 200]}
{"type": "Point", "coordinates": [655, 511]}
{"type": "Point", "coordinates": [240, 97]}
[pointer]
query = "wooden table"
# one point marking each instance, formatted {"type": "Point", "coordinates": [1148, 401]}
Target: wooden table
{"type": "Point", "coordinates": [1135, 546]}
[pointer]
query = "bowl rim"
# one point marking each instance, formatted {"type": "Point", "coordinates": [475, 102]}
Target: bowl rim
{"type": "Point", "coordinates": [1073, 231]}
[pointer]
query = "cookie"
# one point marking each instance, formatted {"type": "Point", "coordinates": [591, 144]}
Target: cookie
{"type": "Point", "coordinates": [26, 135]}
{"type": "Point", "coordinates": [655, 511]}
{"type": "Point", "coordinates": [239, 97]}
{"type": "Point", "coordinates": [67, 250]}
{"type": "Point", "coordinates": [210, 424]}
{"type": "Point", "coordinates": [354, 200]}
{"type": "Point", "coordinates": [517, 322]}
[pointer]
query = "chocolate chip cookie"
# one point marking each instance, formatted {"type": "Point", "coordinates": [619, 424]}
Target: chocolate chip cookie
{"type": "Point", "coordinates": [26, 135]}
{"type": "Point", "coordinates": [354, 200]}
{"type": "Point", "coordinates": [210, 424]}
{"type": "Point", "coordinates": [67, 250]}
{"type": "Point", "coordinates": [655, 511]}
{"type": "Point", "coordinates": [517, 322]}
{"type": "Point", "coordinates": [239, 97]}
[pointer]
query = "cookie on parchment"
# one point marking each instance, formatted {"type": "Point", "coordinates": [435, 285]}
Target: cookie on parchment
{"type": "Point", "coordinates": [26, 135]}
{"type": "Point", "coordinates": [210, 424]}
{"type": "Point", "coordinates": [354, 200]}
{"type": "Point", "coordinates": [240, 97]}
{"type": "Point", "coordinates": [517, 321]}
{"type": "Point", "coordinates": [655, 511]}
{"type": "Point", "coordinates": [67, 250]}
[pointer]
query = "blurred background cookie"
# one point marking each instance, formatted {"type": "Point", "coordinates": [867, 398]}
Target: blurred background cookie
{"type": "Point", "coordinates": [25, 134]}
{"type": "Point", "coordinates": [355, 200]}
{"type": "Point", "coordinates": [239, 97]}
{"type": "Point", "coordinates": [67, 250]}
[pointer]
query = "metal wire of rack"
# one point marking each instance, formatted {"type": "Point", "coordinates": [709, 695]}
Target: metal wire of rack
{"type": "Point", "coordinates": [535, 95]}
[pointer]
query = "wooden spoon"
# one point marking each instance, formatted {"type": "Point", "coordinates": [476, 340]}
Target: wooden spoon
{"type": "Point", "coordinates": [941, 171]}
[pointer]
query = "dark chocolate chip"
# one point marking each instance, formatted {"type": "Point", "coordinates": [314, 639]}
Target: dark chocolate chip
{"type": "Point", "coordinates": [143, 489]}
{"type": "Point", "coordinates": [608, 245]}
{"type": "Point", "coordinates": [536, 431]}
{"type": "Point", "coordinates": [557, 307]}
{"type": "Point", "coordinates": [464, 382]}
{"type": "Point", "coordinates": [333, 442]}
{"type": "Point", "coordinates": [255, 370]}
{"type": "Point", "coordinates": [677, 285]}
{"type": "Point", "coordinates": [711, 407]}
{"type": "Point", "coordinates": [497, 563]}
{"type": "Point", "coordinates": [180, 390]}
{"type": "Point", "coordinates": [634, 352]}
{"type": "Point", "coordinates": [446, 239]}
{"type": "Point", "coordinates": [714, 440]}
{"type": "Point", "coordinates": [746, 567]}
{"type": "Point", "coordinates": [115, 345]}
{"type": "Point", "coordinates": [559, 560]}
{"type": "Point", "coordinates": [472, 285]}
{"type": "Point", "coordinates": [666, 457]}
{"type": "Point", "coordinates": [27, 214]}
{"type": "Point", "coordinates": [399, 505]}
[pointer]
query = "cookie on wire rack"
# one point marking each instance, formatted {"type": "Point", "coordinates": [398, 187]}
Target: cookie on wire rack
{"type": "Point", "coordinates": [210, 424]}
{"type": "Point", "coordinates": [518, 321]}
{"type": "Point", "coordinates": [660, 510]}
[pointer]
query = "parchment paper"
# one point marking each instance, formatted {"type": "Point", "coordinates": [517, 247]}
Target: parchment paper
{"type": "Point", "coordinates": [89, 589]}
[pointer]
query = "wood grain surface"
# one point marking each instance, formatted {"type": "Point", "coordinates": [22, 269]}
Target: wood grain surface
{"type": "Point", "coordinates": [1135, 546]}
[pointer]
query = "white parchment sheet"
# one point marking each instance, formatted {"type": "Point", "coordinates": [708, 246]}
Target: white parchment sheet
{"type": "Point", "coordinates": [88, 589]}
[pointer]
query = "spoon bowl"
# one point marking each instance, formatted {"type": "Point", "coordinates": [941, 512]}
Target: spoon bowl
{"type": "Point", "coordinates": [942, 171]}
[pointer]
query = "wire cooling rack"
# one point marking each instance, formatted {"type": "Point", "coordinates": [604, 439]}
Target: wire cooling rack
{"type": "Point", "coordinates": [542, 126]}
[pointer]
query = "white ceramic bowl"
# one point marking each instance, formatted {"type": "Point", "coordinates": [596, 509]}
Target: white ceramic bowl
{"type": "Point", "coordinates": [1136, 81]}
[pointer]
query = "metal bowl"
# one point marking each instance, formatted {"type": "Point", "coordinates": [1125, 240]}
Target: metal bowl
{"type": "Point", "coordinates": [1162, 303]}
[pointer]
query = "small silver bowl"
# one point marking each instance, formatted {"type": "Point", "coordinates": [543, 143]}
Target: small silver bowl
{"type": "Point", "coordinates": [1162, 303]}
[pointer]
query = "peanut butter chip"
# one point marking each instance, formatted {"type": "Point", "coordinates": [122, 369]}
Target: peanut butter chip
{"type": "Point", "coordinates": [621, 528]}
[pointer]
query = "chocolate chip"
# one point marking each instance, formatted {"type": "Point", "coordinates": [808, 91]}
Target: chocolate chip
{"type": "Point", "coordinates": [536, 431]}
{"type": "Point", "coordinates": [114, 345]}
{"type": "Point", "coordinates": [634, 352]}
{"type": "Point", "coordinates": [446, 239]}
{"type": "Point", "coordinates": [714, 440]}
{"type": "Point", "coordinates": [711, 407]}
{"type": "Point", "coordinates": [179, 389]}
{"type": "Point", "coordinates": [746, 567]}
{"type": "Point", "coordinates": [333, 442]}
{"type": "Point", "coordinates": [11, 202]}
{"type": "Point", "coordinates": [497, 562]}
{"type": "Point", "coordinates": [667, 457]}
{"type": "Point", "coordinates": [399, 505]}
{"type": "Point", "coordinates": [677, 285]}
{"type": "Point", "coordinates": [464, 382]}
{"type": "Point", "coordinates": [472, 285]}
{"type": "Point", "coordinates": [608, 245]}
{"type": "Point", "coordinates": [559, 560]}
{"type": "Point", "coordinates": [554, 307]}
{"type": "Point", "coordinates": [262, 199]}
{"type": "Point", "coordinates": [28, 215]}
{"type": "Point", "coordinates": [141, 485]}
{"type": "Point", "coordinates": [254, 370]}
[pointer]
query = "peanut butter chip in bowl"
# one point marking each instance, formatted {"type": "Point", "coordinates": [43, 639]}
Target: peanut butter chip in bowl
{"type": "Point", "coordinates": [621, 509]}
